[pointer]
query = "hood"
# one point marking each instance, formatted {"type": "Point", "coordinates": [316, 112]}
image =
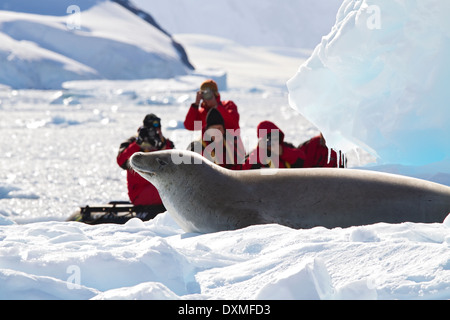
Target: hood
{"type": "Point", "coordinates": [268, 127]}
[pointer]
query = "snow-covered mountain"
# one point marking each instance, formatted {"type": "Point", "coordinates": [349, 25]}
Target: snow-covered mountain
{"type": "Point", "coordinates": [287, 23]}
{"type": "Point", "coordinates": [47, 43]}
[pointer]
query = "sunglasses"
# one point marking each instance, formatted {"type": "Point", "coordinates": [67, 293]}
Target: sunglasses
{"type": "Point", "coordinates": [155, 124]}
{"type": "Point", "coordinates": [152, 122]}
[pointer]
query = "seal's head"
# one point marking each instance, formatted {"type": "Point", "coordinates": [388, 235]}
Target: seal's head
{"type": "Point", "coordinates": [149, 164]}
{"type": "Point", "coordinates": [152, 165]}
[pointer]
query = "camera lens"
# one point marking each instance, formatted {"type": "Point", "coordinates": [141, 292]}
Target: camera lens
{"type": "Point", "coordinates": [207, 94]}
{"type": "Point", "coordinates": [151, 133]}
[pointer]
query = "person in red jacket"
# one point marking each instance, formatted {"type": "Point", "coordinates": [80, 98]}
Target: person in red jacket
{"type": "Point", "coordinates": [318, 155]}
{"type": "Point", "coordinates": [148, 139]}
{"type": "Point", "coordinates": [273, 151]}
{"type": "Point", "coordinates": [216, 146]}
{"type": "Point", "coordinates": [209, 98]}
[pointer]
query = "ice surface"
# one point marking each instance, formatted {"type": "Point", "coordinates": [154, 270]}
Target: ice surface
{"type": "Point", "coordinates": [380, 81]}
{"type": "Point", "coordinates": [57, 260]}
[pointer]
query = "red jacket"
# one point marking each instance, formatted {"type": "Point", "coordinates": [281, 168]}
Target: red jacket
{"type": "Point", "coordinates": [140, 191]}
{"type": "Point", "coordinates": [291, 157]}
{"type": "Point", "coordinates": [316, 152]}
{"type": "Point", "coordinates": [227, 109]}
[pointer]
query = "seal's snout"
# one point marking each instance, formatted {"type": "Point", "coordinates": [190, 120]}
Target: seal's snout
{"type": "Point", "coordinates": [148, 164]}
{"type": "Point", "coordinates": [140, 163]}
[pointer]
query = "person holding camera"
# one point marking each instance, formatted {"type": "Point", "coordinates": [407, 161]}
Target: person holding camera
{"type": "Point", "coordinates": [272, 151]}
{"type": "Point", "coordinates": [148, 139]}
{"type": "Point", "coordinates": [209, 98]}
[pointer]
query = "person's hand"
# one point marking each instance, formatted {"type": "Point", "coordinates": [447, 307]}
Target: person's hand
{"type": "Point", "coordinates": [142, 135]}
{"type": "Point", "coordinates": [199, 98]}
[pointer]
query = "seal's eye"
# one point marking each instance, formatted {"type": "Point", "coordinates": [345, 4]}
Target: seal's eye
{"type": "Point", "coordinates": [161, 162]}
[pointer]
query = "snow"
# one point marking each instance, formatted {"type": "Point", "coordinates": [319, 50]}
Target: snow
{"type": "Point", "coordinates": [379, 80]}
{"type": "Point", "coordinates": [156, 260]}
{"type": "Point", "coordinates": [58, 152]}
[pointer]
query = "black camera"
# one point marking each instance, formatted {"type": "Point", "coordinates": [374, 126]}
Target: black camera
{"type": "Point", "coordinates": [207, 94]}
{"type": "Point", "coordinates": [149, 136]}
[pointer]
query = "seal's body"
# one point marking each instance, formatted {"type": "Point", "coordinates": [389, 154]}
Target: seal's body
{"type": "Point", "coordinates": [203, 197]}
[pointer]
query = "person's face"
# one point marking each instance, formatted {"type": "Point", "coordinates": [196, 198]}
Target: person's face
{"type": "Point", "coordinates": [218, 127]}
{"type": "Point", "coordinates": [213, 131]}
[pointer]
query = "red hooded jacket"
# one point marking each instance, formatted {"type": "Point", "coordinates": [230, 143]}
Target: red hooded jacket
{"type": "Point", "coordinates": [291, 157]}
{"type": "Point", "coordinates": [140, 191]}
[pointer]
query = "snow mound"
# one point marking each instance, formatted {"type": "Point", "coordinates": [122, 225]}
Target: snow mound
{"type": "Point", "coordinates": [18, 285]}
{"type": "Point", "coordinates": [308, 282]}
{"type": "Point", "coordinates": [12, 192]}
{"type": "Point", "coordinates": [143, 291]}
{"type": "Point", "coordinates": [380, 81]}
{"type": "Point", "coordinates": [44, 50]}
